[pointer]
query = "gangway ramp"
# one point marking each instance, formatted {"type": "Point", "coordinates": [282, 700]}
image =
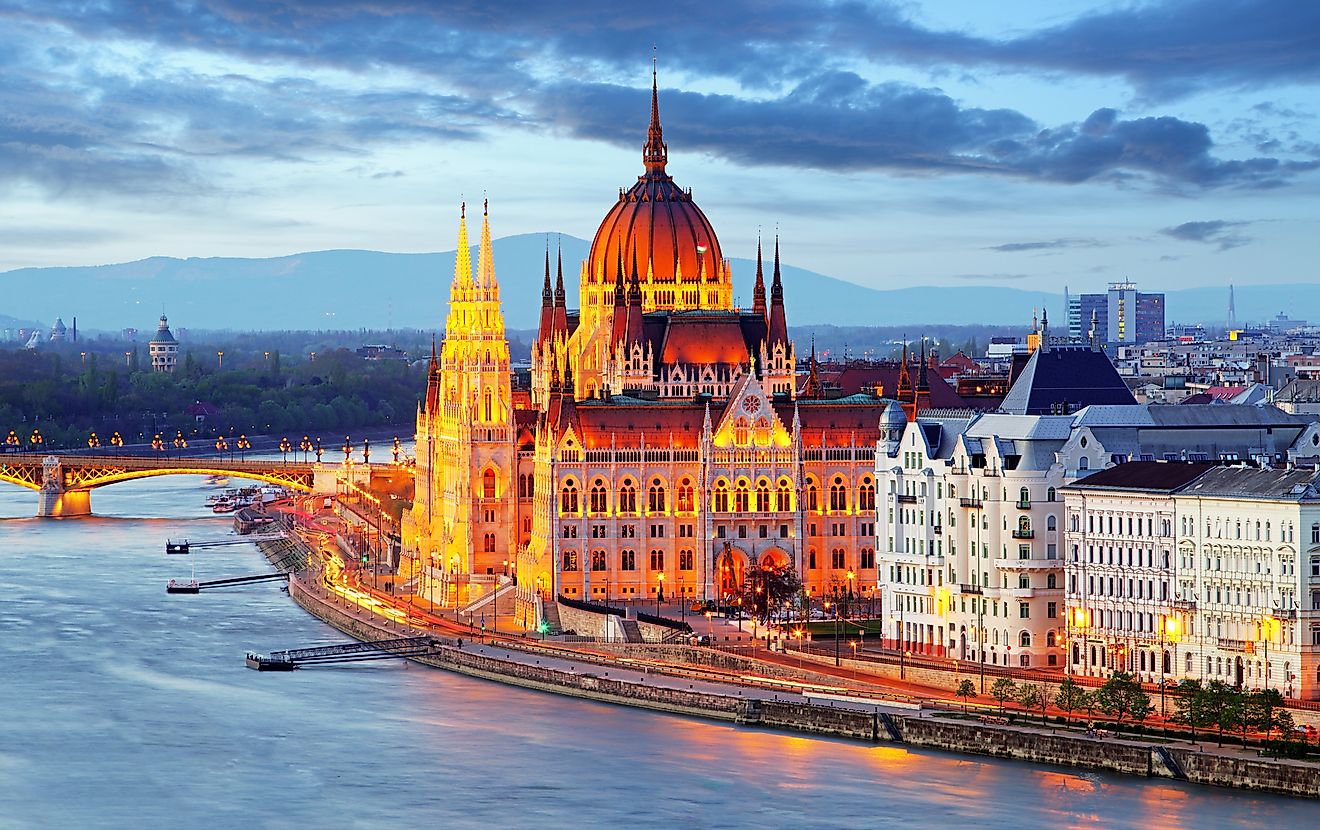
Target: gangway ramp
{"type": "Point", "coordinates": [396, 648]}
{"type": "Point", "coordinates": [192, 586]}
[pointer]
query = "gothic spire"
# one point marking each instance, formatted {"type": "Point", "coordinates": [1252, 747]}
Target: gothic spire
{"type": "Point", "coordinates": [758, 293]}
{"type": "Point", "coordinates": [485, 257]}
{"type": "Point", "coordinates": [777, 325]}
{"type": "Point", "coordinates": [923, 383]}
{"type": "Point", "coordinates": [546, 330]}
{"type": "Point", "coordinates": [655, 153]}
{"type": "Point", "coordinates": [463, 260]}
{"type": "Point", "coordinates": [812, 388]}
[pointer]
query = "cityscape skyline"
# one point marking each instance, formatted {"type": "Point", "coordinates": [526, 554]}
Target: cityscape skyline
{"type": "Point", "coordinates": [1010, 147]}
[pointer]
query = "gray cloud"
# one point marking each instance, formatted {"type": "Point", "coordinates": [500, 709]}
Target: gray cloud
{"type": "Point", "coordinates": [1220, 232]}
{"type": "Point", "coordinates": [1049, 245]}
{"type": "Point", "coordinates": [70, 124]}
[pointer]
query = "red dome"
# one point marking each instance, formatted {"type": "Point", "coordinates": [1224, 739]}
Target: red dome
{"type": "Point", "coordinates": [656, 224]}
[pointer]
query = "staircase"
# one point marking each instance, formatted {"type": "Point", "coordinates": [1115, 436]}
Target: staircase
{"type": "Point", "coordinates": [1170, 763]}
{"type": "Point", "coordinates": [502, 597]}
{"type": "Point", "coordinates": [632, 633]}
{"type": "Point", "coordinates": [550, 616]}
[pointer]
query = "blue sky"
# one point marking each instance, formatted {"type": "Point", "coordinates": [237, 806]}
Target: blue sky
{"type": "Point", "coordinates": [893, 144]}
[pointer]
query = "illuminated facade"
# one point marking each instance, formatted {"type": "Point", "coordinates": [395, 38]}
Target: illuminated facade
{"type": "Point", "coordinates": [163, 348]}
{"type": "Point", "coordinates": [662, 445]}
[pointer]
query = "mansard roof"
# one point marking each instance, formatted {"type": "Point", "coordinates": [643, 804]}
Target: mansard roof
{"type": "Point", "coordinates": [630, 421]}
{"type": "Point", "coordinates": [1144, 476]}
{"type": "Point", "coordinates": [1065, 376]}
{"type": "Point", "coordinates": [864, 376]}
{"type": "Point", "coordinates": [705, 337]}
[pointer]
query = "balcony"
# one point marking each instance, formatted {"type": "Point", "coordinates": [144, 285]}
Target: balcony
{"type": "Point", "coordinates": [969, 589]}
{"type": "Point", "coordinates": [1024, 505]}
{"type": "Point", "coordinates": [973, 502]}
{"type": "Point", "coordinates": [939, 530]}
{"type": "Point", "coordinates": [1236, 645]}
{"type": "Point", "coordinates": [1024, 534]}
{"type": "Point", "coordinates": [1185, 604]}
{"type": "Point", "coordinates": [905, 499]}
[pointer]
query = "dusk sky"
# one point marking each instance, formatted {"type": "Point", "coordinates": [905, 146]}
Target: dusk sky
{"type": "Point", "coordinates": [1026, 144]}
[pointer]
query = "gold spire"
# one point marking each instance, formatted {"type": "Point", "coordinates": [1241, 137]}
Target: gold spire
{"type": "Point", "coordinates": [485, 257]}
{"type": "Point", "coordinates": [655, 154]}
{"type": "Point", "coordinates": [463, 260]}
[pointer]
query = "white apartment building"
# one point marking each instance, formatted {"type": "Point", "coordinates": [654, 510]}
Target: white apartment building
{"type": "Point", "coordinates": [1197, 571]}
{"type": "Point", "coordinates": [969, 525]}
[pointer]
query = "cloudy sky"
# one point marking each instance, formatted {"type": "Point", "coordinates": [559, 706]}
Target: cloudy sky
{"type": "Point", "coordinates": [892, 143]}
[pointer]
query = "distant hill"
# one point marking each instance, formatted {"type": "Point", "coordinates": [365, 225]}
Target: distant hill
{"type": "Point", "coordinates": [349, 289]}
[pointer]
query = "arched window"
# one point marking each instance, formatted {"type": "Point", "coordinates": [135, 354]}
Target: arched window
{"type": "Point", "coordinates": [597, 500]}
{"type": "Point", "coordinates": [721, 500]}
{"type": "Point", "coordinates": [838, 495]}
{"type": "Point", "coordinates": [627, 497]}
{"type": "Point", "coordinates": [489, 545]}
{"type": "Point", "coordinates": [740, 497]}
{"type": "Point", "coordinates": [1050, 494]}
{"type": "Point", "coordinates": [762, 496]}
{"type": "Point", "coordinates": [1024, 525]}
{"type": "Point", "coordinates": [685, 495]}
{"type": "Point", "coordinates": [488, 484]}
{"type": "Point", "coordinates": [783, 496]}
{"type": "Point", "coordinates": [655, 497]}
{"type": "Point", "coordinates": [813, 496]}
{"type": "Point", "coordinates": [866, 495]}
{"type": "Point", "coordinates": [1025, 639]}
{"type": "Point", "coordinates": [740, 432]}
{"type": "Point", "coordinates": [568, 498]}
{"type": "Point", "coordinates": [762, 432]}
{"type": "Point", "coordinates": [523, 480]}
{"type": "Point", "coordinates": [1051, 523]}
{"type": "Point", "coordinates": [1049, 639]}
{"type": "Point", "coordinates": [1051, 581]}
{"type": "Point", "coordinates": [1024, 496]}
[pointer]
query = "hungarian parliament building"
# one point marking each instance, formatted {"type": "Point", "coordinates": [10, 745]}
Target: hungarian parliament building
{"type": "Point", "coordinates": [666, 443]}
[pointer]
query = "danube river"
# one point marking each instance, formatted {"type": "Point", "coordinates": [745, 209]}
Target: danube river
{"type": "Point", "coordinates": [125, 707]}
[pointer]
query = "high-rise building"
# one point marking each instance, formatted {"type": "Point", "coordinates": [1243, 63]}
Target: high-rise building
{"type": "Point", "coordinates": [1123, 315]}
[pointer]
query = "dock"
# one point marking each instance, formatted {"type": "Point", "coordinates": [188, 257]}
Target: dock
{"type": "Point", "coordinates": [392, 649]}
{"type": "Point", "coordinates": [192, 586]}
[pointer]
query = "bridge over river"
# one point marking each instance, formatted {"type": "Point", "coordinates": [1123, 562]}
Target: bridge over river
{"type": "Point", "coordinates": [64, 482]}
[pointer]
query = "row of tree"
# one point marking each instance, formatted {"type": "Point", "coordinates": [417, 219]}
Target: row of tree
{"type": "Point", "coordinates": [1213, 706]}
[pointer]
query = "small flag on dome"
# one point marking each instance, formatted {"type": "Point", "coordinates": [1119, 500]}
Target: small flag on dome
{"type": "Point", "coordinates": [701, 249]}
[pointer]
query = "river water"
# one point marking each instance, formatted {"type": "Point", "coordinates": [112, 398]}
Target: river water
{"type": "Point", "coordinates": [122, 706]}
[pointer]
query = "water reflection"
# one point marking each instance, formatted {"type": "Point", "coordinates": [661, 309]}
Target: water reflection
{"type": "Point", "coordinates": [126, 707]}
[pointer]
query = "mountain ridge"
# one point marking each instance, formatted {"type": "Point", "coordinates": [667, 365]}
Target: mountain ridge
{"type": "Point", "coordinates": [348, 288]}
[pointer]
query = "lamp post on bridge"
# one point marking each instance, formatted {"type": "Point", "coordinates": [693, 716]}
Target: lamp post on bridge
{"type": "Point", "coordinates": [12, 440]}
{"type": "Point", "coordinates": [36, 440]}
{"type": "Point", "coordinates": [318, 450]}
{"type": "Point", "coordinates": [347, 449]}
{"type": "Point", "coordinates": [306, 446]}
{"type": "Point", "coordinates": [242, 445]}
{"type": "Point", "coordinates": [158, 443]}
{"type": "Point", "coordinates": [285, 446]}
{"type": "Point", "coordinates": [397, 448]}
{"type": "Point", "coordinates": [92, 441]}
{"type": "Point", "coordinates": [221, 445]}
{"type": "Point", "coordinates": [366, 450]}
{"type": "Point", "coordinates": [180, 443]}
{"type": "Point", "coordinates": [116, 440]}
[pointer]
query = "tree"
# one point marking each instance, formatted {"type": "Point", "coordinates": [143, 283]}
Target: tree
{"type": "Point", "coordinates": [1191, 705]}
{"type": "Point", "coordinates": [1070, 696]}
{"type": "Point", "coordinates": [765, 588]}
{"type": "Point", "coordinates": [1263, 709]}
{"type": "Point", "coordinates": [1002, 690]}
{"type": "Point", "coordinates": [1121, 697]}
{"type": "Point", "coordinates": [966, 689]}
{"type": "Point", "coordinates": [1218, 699]}
{"type": "Point", "coordinates": [1035, 696]}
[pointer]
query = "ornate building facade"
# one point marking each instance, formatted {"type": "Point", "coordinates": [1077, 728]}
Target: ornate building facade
{"type": "Point", "coordinates": [663, 446]}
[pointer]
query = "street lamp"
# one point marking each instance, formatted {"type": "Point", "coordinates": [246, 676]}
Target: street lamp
{"type": "Point", "coordinates": [180, 443]}
{"type": "Point", "coordinates": [366, 450]}
{"type": "Point", "coordinates": [157, 443]}
{"type": "Point", "coordinates": [35, 439]}
{"type": "Point", "coordinates": [1168, 625]}
{"type": "Point", "coordinates": [92, 441]}
{"type": "Point", "coordinates": [285, 446]}
{"type": "Point", "coordinates": [659, 592]}
{"type": "Point", "coordinates": [116, 440]}
{"type": "Point", "coordinates": [1267, 631]}
{"type": "Point", "coordinates": [318, 450]}
{"type": "Point", "coordinates": [220, 360]}
{"type": "Point", "coordinates": [347, 448]}
{"type": "Point", "coordinates": [221, 445]}
{"type": "Point", "coordinates": [306, 446]}
{"type": "Point", "coordinates": [397, 448]}
{"type": "Point", "coordinates": [12, 439]}
{"type": "Point", "coordinates": [243, 445]}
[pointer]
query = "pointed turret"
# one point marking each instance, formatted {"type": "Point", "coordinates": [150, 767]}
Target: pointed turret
{"type": "Point", "coordinates": [812, 388]}
{"type": "Point", "coordinates": [547, 302]}
{"type": "Point", "coordinates": [619, 321]}
{"type": "Point", "coordinates": [905, 393]}
{"type": "Point", "coordinates": [921, 398]}
{"type": "Point", "coordinates": [635, 334]}
{"type": "Point", "coordinates": [559, 327]}
{"type": "Point", "coordinates": [432, 382]}
{"type": "Point", "coordinates": [758, 292]}
{"type": "Point", "coordinates": [777, 325]}
{"type": "Point", "coordinates": [655, 153]}
{"type": "Point", "coordinates": [485, 257]}
{"type": "Point", "coordinates": [463, 258]}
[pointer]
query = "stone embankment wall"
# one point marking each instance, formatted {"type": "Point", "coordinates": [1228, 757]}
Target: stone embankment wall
{"type": "Point", "coordinates": [592, 624]}
{"type": "Point", "coordinates": [1111, 755]}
